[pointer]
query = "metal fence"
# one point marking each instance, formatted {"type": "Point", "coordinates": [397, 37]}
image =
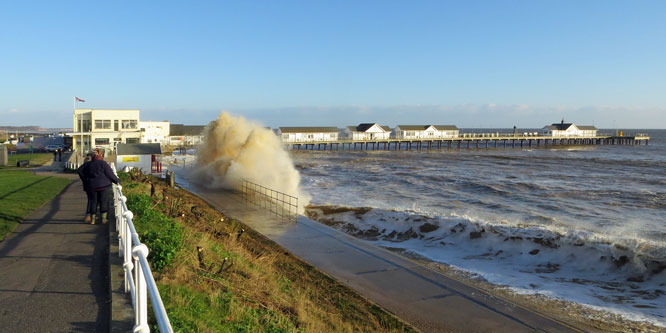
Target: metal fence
{"type": "Point", "coordinates": [139, 281]}
{"type": "Point", "coordinates": [276, 202]}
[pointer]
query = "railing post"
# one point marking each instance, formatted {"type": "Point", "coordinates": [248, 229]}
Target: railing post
{"type": "Point", "coordinates": [127, 246]}
{"type": "Point", "coordinates": [141, 308]}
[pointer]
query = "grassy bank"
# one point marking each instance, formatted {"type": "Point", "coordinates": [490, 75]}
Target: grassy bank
{"type": "Point", "coordinates": [21, 192]}
{"type": "Point", "coordinates": [36, 159]}
{"type": "Point", "coordinates": [217, 275]}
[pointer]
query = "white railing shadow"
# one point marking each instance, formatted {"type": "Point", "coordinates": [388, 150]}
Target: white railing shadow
{"type": "Point", "coordinates": [139, 279]}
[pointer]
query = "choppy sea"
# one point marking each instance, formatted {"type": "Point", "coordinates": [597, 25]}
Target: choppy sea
{"type": "Point", "coordinates": [585, 224]}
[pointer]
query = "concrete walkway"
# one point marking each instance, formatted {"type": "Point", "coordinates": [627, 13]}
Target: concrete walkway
{"type": "Point", "coordinates": [54, 269]}
{"type": "Point", "coordinates": [428, 300]}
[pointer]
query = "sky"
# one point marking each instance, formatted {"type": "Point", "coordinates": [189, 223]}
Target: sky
{"type": "Point", "coordinates": [337, 63]}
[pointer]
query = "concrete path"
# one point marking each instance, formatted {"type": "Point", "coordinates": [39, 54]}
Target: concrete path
{"type": "Point", "coordinates": [53, 270]}
{"type": "Point", "coordinates": [428, 300]}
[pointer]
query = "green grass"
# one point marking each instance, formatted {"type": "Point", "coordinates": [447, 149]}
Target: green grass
{"type": "Point", "coordinates": [36, 159]}
{"type": "Point", "coordinates": [21, 192]}
{"type": "Point", "coordinates": [162, 235]}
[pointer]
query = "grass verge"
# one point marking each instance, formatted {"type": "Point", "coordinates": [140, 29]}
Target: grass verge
{"type": "Point", "coordinates": [21, 192]}
{"type": "Point", "coordinates": [217, 275]}
{"type": "Point", "coordinates": [36, 159]}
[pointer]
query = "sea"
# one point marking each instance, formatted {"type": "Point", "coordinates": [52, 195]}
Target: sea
{"type": "Point", "coordinates": [584, 224]}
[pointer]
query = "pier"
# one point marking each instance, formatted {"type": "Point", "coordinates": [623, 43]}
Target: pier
{"type": "Point", "coordinates": [470, 140]}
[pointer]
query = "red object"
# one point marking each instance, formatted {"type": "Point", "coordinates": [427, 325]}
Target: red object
{"type": "Point", "coordinates": [78, 99]}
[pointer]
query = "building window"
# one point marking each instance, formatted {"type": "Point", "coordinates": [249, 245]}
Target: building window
{"type": "Point", "coordinates": [132, 140]}
{"type": "Point", "coordinates": [102, 124]}
{"type": "Point", "coordinates": [285, 136]}
{"type": "Point", "coordinates": [117, 140]}
{"type": "Point", "coordinates": [410, 133]}
{"type": "Point", "coordinates": [85, 125]}
{"type": "Point", "coordinates": [115, 125]}
{"type": "Point", "coordinates": [129, 124]}
{"type": "Point", "coordinates": [101, 141]}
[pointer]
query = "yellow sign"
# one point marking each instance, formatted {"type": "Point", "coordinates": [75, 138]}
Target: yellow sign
{"type": "Point", "coordinates": [131, 159]}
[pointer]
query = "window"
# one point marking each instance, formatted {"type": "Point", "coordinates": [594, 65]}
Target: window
{"type": "Point", "coordinates": [333, 135]}
{"type": "Point", "coordinates": [310, 136]}
{"type": "Point", "coordinates": [410, 133]}
{"type": "Point", "coordinates": [129, 124]}
{"type": "Point", "coordinates": [132, 140]}
{"type": "Point", "coordinates": [102, 124]}
{"type": "Point", "coordinates": [101, 141]}
{"type": "Point", "coordinates": [117, 139]}
{"type": "Point", "coordinates": [115, 125]}
{"type": "Point", "coordinates": [285, 136]}
{"type": "Point", "coordinates": [85, 125]}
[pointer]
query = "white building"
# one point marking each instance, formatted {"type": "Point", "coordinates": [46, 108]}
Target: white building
{"type": "Point", "coordinates": [569, 130]}
{"type": "Point", "coordinates": [104, 129]}
{"type": "Point", "coordinates": [186, 135]}
{"type": "Point", "coordinates": [367, 131]}
{"type": "Point", "coordinates": [447, 131]}
{"type": "Point", "coordinates": [154, 132]}
{"type": "Point", "coordinates": [143, 156]}
{"type": "Point", "coordinates": [308, 134]}
{"type": "Point", "coordinates": [426, 131]}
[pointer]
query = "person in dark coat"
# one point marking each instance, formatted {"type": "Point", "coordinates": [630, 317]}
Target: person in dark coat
{"type": "Point", "coordinates": [91, 207]}
{"type": "Point", "coordinates": [60, 155]}
{"type": "Point", "coordinates": [99, 177]}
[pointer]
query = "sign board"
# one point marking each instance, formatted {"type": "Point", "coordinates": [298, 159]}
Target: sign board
{"type": "Point", "coordinates": [130, 159]}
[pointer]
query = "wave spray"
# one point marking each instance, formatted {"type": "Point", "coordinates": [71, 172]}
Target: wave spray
{"type": "Point", "coordinates": [235, 149]}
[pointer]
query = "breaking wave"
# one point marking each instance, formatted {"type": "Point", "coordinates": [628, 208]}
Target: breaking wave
{"type": "Point", "coordinates": [235, 149]}
{"type": "Point", "coordinates": [624, 275]}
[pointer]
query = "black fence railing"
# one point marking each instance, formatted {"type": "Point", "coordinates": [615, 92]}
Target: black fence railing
{"type": "Point", "coordinates": [276, 202]}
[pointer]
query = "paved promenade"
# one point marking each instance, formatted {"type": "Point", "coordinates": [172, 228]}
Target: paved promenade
{"type": "Point", "coordinates": [429, 300]}
{"type": "Point", "coordinates": [53, 269]}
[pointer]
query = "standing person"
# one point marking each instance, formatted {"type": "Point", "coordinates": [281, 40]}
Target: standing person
{"type": "Point", "coordinates": [55, 155]}
{"type": "Point", "coordinates": [91, 207]}
{"type": "Point", "coordinates": [59, 154]}
{"type": "Point", "coordinates": [99, 176]}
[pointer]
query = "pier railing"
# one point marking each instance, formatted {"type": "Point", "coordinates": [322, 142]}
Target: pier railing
{"type": "Point", "coordinates": [139, 281]}
{"type": "Point", "coordinates": [276, 202]}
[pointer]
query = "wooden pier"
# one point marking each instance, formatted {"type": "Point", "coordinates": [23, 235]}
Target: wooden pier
{"type": "Point", "coordinates": [470, 141]}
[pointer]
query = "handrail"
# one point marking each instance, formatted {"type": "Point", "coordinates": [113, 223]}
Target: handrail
{"type": "Point", "coordinates": [139, 279]}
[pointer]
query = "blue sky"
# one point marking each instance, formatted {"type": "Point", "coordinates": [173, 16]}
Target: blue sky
{"type": "Point", "coordinates": [468, 63]}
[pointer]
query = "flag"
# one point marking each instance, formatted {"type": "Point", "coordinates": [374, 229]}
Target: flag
{"type": "Point", "coordinates": [78, 99]}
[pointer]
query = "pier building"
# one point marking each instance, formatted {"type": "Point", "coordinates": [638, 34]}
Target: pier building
{"type": "Point", "coordinates": [569, 130]}
{"type": "Point", "coordinates": [308, 134]}
{"type": "Point", "coordinates": [367, 131]}
{"type": "Point", "coordinates": [425, 131]}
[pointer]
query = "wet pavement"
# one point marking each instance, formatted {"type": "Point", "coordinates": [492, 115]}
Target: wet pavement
{"type": "Point", "coordinates": [428, 300]}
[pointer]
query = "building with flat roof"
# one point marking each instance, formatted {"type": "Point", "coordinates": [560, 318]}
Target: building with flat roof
{"type": "Point", "coordinates": [97, 128]}
{"type": "Point", "coordinates": [186, 135]}
{"type": "Point", "coordinates": [155, 132]}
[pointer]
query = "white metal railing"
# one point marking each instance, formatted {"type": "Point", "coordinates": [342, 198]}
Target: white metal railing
{"type": "Point", "coordinates": [139, 279]}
